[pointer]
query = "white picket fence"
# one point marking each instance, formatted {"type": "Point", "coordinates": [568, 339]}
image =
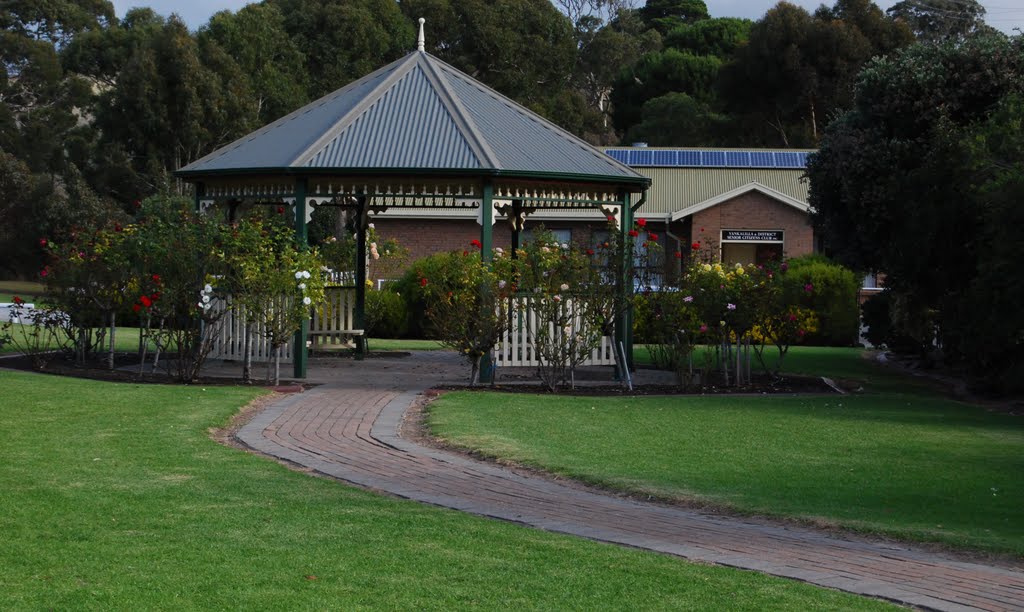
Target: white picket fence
{"type": "Point", "coordinates": [230, 342]}
{"type": "Point", "coordinates": [517, 347]}
{"type": "Point", "coordinates": [331, 324]}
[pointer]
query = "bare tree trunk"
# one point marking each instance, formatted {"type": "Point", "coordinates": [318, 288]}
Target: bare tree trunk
{"type": "Point", "coordinates": [247, 358]}
{"type": "Point", "coordinates": [110, 353]}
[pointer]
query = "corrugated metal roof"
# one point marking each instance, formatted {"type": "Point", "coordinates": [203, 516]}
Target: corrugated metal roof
{"type": "Point", "coordinates": [673, 190]}
{"type": "Point", "coordinates": [415, 113]}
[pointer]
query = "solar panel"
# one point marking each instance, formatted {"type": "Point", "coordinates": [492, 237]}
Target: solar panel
{"type": "Point", "coordinates": [737, 159]}
{"type": "Point", "coordinates": [689, 158]}
{"type": "Point", "coordinates": [664, 157]}
{"type": "Point", "coordinates": [714, 159]}
{"type": "Point", "coordinates": [697, 158]}
{"type": "Point", "coordinates": [762, 159]}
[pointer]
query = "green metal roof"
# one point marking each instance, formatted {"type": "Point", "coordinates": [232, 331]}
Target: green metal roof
{"type": "Point", "coordinates": [674, 191]}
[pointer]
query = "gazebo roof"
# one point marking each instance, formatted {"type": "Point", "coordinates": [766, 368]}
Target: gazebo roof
{"type": "Point", "coordinates": [417, 116]}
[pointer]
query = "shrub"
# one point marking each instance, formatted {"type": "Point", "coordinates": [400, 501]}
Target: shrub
{"type": "Point", "coordinates": [387, 315]}
{"type": "Point", "coordinates": [414, 293]}
{"type": "Point", "coordinates": [834, 298]}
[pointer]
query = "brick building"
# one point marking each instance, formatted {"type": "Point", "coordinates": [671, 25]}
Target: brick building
{"type": "Point", "coordinates": [744, 205]}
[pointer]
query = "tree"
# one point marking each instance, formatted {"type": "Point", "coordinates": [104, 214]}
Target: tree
{"type": "Point", "coordinates": [803, 67]}
{"type": "Point", "coordinates": [665, 15]}
{"type": "Point", "coordinates": [660, 73]}
{"type": "Point", "coordinates": [343, 40]}
{"type": "Point", "coordinates": [256, 39]}
{"type": "Point", "coordinates": [935, 20]}
{"type": "Point", "coordinates": [897, 184]}
{"type": "Point", "coordinates": [717, 37]}
{"type": "Point", "coordinates": [676, 119]}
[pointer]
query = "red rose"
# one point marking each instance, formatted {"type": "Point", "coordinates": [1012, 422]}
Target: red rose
{"type": "Point", "coordinates": [611, 218]}
{"type": "Point", "coordinates": [695, 246]}
{"type": "Point", "coordinates": [652, 237]}
{"type": "Point", "coordinates": [18, 300]}
{"type": "Point", "coordinates": [44, 272]}
{"type": "Point", "coordinates": [280, 210]}
{"type": "Point", "coordinates": [42, 242]}
{"type": "Point", "coordinates": [146, 302]}
{"type": "Point", "coordinates": [464, 253]}
{"type": "Point", "coordinates": [679, 255]}
{"type": "Point", "coordinates": [590, 251]}
{"type": "Point", "coordinates": [476, 243]}
{"type": "Point", "coordinates": [423, 282]}
{"type": "Point", "coordinates": [135, 307]}
{"type": "Point", "coordinates": [634, 233]}
{"type": "Point", "coordinates": [156, 278]}
{"type": "Point", "coordinates": [155, 296]}
{"type": "Point", "coordinates": [641, 222]}
{"type": "Point", "coordinates": [645, 245]}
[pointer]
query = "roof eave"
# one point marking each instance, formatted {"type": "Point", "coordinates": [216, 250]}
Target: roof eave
{"type": "Point", "coordinates": [638, 181]}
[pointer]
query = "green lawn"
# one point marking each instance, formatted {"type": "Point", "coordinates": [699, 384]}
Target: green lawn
{"type": "Point", "coordinates": [115, 498]}
{"type": "Point", "coordinates": [388, 344]}
{"type": "Point", "coordinates": [897, 459]}
{"type": "Point", "coordinates": [126, 339]}
{"type": "Point", "coordinates": [26, 290]}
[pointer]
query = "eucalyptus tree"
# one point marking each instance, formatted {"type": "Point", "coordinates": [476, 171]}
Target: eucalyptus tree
{"type": "Point", "coordinates": [934, 20]}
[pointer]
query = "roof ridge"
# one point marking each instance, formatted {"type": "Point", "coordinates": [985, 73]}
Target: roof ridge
{"type": "Point", "coordinates": [337, 93]}
{"type": "Point", "coordinates": [474, 138]}
{"type": "Point", "coordinates": [372, 97]}
{"type": "Point", "coordinates": [519, 108]}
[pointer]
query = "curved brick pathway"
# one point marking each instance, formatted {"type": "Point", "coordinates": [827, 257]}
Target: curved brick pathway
{"type": "Point", "coordinates": [348, 429]}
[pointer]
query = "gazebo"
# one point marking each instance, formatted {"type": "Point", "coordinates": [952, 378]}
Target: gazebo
{"type": "Point", "coordinates": [415, 133]}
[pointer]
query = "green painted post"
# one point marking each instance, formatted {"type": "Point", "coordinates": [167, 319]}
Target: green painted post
{"type": "Point", "coordinates": [199, 191]}
{"type": "Point", "coordinates": [359, 315]}
{"type": "Point", "coordinates": [486, 247]}
{"type": "Point", "coordinates": [300, 352]}
{"type": "Point", "coordinates": [624, 329]}
{"type": "Point", "coordinates": [487, 221]}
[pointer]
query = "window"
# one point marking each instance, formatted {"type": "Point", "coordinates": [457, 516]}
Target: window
{"type": "Point", "coordinates": [562, 236]}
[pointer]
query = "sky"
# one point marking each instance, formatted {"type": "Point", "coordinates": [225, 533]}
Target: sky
{"type": "Point", "coordinates": [1004, 15]}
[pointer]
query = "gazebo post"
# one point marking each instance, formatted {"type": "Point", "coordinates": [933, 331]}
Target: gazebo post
{"type": "Point", "coordinates": [624, 326]}
{"type": "Point", "coordinates": [300, 352]}
{"type": "Point", "coordinates": [486, 255]}
{"type": "Point", "coordinates": [199, 191]}
{"type": "Point", "coordinates": [359, 312]}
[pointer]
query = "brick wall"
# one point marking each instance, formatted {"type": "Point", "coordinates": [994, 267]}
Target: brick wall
{"type": "Point", "coordinates": [755, 210]}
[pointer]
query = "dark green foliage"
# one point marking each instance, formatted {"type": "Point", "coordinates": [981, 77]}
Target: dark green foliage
{"type": "Point", "coordinates": [412, 290]}
{"type": "Point", "coordinates": [677, 119]}
{"type": "Point", "coordinates": [830, 290]}
{"type": "Point", "coordinates": [666, 15]}
{"type": "Point", "coordinates": [659, 73]}
{"type": "Point", "coordinates": [922, 181]}
{"type": "Point", "coordinates": [387, 314]}
{"type": "Point", "coordinates": [719, 37]}
{"type": "Point", "coordinates": [937, 20]}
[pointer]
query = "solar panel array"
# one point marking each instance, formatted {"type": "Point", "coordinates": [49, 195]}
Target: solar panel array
{"type": "Point", "coordinates": [696, 158]}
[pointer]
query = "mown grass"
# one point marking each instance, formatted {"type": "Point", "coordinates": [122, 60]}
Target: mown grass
{"type": "Point", "coordinates": [115, 498]}
{"type": "Point", "coordinates": [26, 290]}
{"type": "Point", "coordinates": [898, 459]}
{"type": "Point", "coordinates": [126, 339]}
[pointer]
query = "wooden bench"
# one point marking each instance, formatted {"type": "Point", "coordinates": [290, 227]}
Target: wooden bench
{"type": "Point", "coordinates": [333, 323]}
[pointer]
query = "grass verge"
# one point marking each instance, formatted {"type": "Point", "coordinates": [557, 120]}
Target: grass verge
{"type": "Point", "coordinates": [116, 498]}
{"type": "Point", "coordinates": [898, 460]}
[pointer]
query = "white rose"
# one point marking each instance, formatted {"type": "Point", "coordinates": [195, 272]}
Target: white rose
{"type": "Point", "coordinates": [307, 301]}
{"type": "Point", "coordinates": [206, 299]}
{"type": "Point", "coordinates": [302, 286]}
{"type": "Point", "coordinates": [564, 287]}
{"type": "Point", "coordinates": [298, 275]}
{"type": "Point", "coordinates": [305, 274]}
{"type": "Point", "coordinates": [372, 226]}
{"type": "Point", "coordinates": [373, 245]}
{"type": "Point", "coordinates": [208, 289]}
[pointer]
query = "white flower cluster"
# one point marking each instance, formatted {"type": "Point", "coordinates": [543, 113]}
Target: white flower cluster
{"type": "Point", "coordinates": [205, 299]}
{"type": "Point", "coordinates": [299, 276]}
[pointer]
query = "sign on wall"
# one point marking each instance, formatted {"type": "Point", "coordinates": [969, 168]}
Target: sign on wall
{"type": "Point", "coordinates": [752, 235]}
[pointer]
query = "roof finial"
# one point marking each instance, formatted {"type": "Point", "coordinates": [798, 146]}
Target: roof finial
{"type": "Point", "coordinates": [420, 40]}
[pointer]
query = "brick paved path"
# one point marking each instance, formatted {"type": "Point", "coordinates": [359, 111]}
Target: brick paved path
{"type": "Point", "coordinates": [348, 429]}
